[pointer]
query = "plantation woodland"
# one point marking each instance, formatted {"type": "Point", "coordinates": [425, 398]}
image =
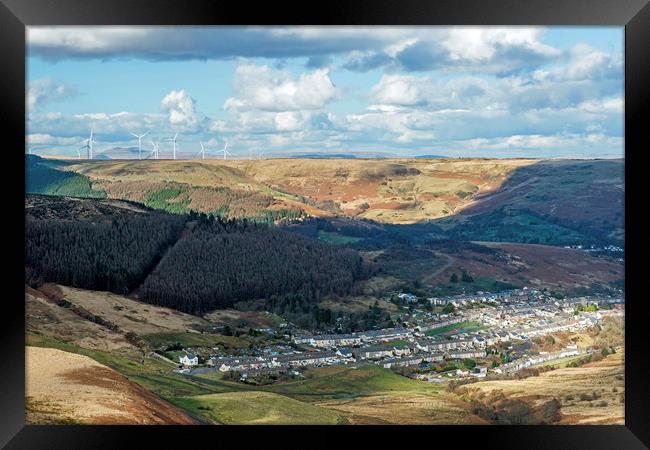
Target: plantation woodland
{"type": "Point", "coordinates": [193, 263]}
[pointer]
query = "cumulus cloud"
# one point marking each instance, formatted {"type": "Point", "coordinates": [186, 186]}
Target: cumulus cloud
{"type": "Point", "coordinates": [46, 90]}
{"type": "Point", "coordinates": [111, 127]}
{"type": "Point", "coordinates": [397, 90]}
{"type": "Point", "coordinates": [266, 89]}
{"type": "Point", "coordinates": [181, 110]}
{"type": "Point", "coordinates": [482, 44]}
{"type": "Point", "coordinates": [48, 139]}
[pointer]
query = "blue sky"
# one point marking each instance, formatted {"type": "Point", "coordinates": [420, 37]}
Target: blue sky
{"type": "Point", "coordinates": [460, 91]}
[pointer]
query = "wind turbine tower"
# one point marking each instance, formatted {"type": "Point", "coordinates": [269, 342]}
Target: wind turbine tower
{"type": "Point", "coordinates": [88, 147]}
{"type": "Point", "coordinates": [202, 152]}
{"type": "Point", "coordinates": [156, 149]}
{"type": "Point", "coordinates": [173, 141]}
{"type": "Point", "coordinates": [139, 137]}
{"type": "Point", "coordinates": [225, 150]}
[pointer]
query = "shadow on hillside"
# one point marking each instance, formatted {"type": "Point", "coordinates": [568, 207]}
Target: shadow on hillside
{"type": "Point", "coordinates": [557, 202]}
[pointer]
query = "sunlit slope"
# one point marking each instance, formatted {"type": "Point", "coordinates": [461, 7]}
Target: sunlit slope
{"type": "Point", "coordinates": [66, 388]}
{"type": "Point", "coordinates": [522, 200]}
{"type": "Point", "coordinates": [385, 190]}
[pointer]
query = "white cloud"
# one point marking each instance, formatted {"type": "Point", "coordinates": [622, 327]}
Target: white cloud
{"type": "Point", "coordinates": [480, 44]}
{"type": "Point", "coordinates": [45, 90]}
{"type": "Point", "coordinates": [180, 107]}
{"type": "Point", "coordinates": [48, 139]}
{"type": "Point", "coordinates": [86, 39]}
{"type": "Point", "coordinates": [491, 88]}
{"type": "Point", "coordinates": [397, 90]}
{"type": "Point", "coordinates": [262, 88]}
{"type": "Point", "coordinates": [588, 63]}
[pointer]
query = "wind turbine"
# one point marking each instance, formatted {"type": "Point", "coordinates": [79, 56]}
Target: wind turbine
{"type": "Point", "coordinates": [225, 150]}
{"type": "Point", "coordinates": [139, 143]}
{"type": "Point", "coordinates": [89, 146]}
{"type": "Point", "coordinates": [156, 149]}
{"type": "Point", "coordinates": [173, 140]}
{"type": "Point", "coordinates": [202, 152]}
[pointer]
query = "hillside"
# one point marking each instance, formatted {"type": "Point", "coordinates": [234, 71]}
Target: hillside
{"type": "Point", "coordinates": [76, 208]}
{"type": "Point", "coordinates": [223, 261]}
{"type": "Point", "coordinates": [592, 394]}
{"type": "Point", "coordinates": [66, 388]}
{"type": "Point", "coordinates": [558, 202]}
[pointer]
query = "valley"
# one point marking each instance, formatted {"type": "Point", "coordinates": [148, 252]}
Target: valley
{"type": "Point", "coordinates": [327, 291]}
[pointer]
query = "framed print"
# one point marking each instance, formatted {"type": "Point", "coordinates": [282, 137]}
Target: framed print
{"type": "Point", "coordinates": [257, 223]}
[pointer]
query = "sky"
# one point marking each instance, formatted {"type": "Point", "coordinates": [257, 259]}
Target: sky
{"type": "Point", "coordinates": [405, 91]}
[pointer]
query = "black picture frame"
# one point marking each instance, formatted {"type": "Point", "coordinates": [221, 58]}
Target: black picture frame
{"type": "Point", "coordinates": [15, 15]}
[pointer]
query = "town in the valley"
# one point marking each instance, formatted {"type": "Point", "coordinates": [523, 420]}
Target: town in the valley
{"type": "Point", "coordinates": [463, 337]}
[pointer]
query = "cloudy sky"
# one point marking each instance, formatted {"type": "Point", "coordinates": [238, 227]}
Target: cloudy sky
{"type": "Point", "coordinates": [461, 91]}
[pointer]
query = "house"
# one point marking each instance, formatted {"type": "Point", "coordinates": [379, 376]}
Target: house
{"type": "Point", "coordinates": [411, 298]}
{"type": "Point", "coordinates": [401, 351]}
{"type": "Point", "coordinates": [433, 357]}
{"type": "Point", "coordinates": [479, 371]}
{"type": "Point", "coordinates": [373, 352]}
{"type": "Point", "coordinates": [385, 335]}
{"type": "Point", "coordinates": [465, 354]}
{"type": "Point", "coordinates": [189, 359]}
{"type": "Point", "coordinates": [400, 362]}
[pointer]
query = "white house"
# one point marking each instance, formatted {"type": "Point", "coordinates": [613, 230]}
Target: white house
{"type": "Point", "coordinates": [189, 359]}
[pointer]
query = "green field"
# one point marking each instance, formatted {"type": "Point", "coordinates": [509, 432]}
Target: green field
{"type": "Point", "coordinates": [461, 327]}
{"type": "Point", "coordinates": [257, 408]}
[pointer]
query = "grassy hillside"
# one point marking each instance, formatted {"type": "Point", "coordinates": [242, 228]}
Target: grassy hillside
{"type": "Point", "coordinates": [549, 201]}
{"type": "Point", "coordinates": [590, 394]}
{"type": "Point", "coordinates": [258, 408]}
{"type": "Point", "coordinates": [534, 201]}
{"type": "Point", "coordinates": [46, 177]}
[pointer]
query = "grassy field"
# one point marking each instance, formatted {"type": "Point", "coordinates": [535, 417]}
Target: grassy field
{"type": "Point", "coordinates": [456, 327]}
{"type": "Point", "coordinates": [131, 315]}
{"type": "Point", "coordinates": [252, 408]}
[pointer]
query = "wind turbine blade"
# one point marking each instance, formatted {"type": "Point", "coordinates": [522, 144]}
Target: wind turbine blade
{"type": "Point", "coordinates": [176, 135]}
{"type": "Point", "coordinates": [134, 134]}
{"type": "Point", "coordinates": [145, 134]}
